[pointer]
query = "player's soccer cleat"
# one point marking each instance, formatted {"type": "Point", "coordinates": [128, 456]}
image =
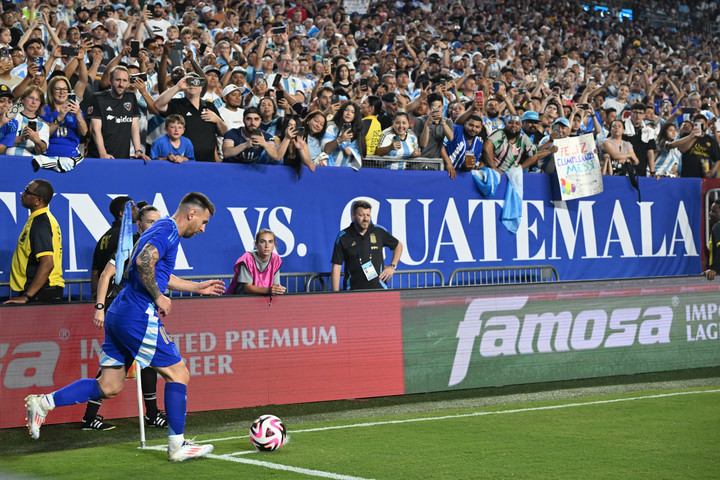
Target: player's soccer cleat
{"type": "Point", "coordinates": [36, 414]}
{"type": "Point", "coordinates": [188, 450]}
{"type": "Point", "coordinates": [159, 420]}
{"type": "Point", "coordinates": [97, 423]}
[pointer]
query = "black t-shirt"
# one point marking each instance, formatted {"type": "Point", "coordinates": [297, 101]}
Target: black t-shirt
{"type": "Point", "coordinates": [106, 247]}
{"type": "Point", "coordinates": [116, 115]}
{"type": "Point", "coordinates": [350, 243]}
{"type": "Point", "coordinates": [16, 34]}
{"type": "Point", "coordinates": [641, 150]}
{"type": "Point", "coordinates": [714, 248]}
{"type": "Point", "coordinates": [108, 54]}
{"type": "Point", "coordinates": [385, 120]}
{"type": "Point", "coordinates": [705, 149]}
{"type": "Point", "coordinates": [202, 134]}
{"type": "Point", "coordinates": [535, 137]}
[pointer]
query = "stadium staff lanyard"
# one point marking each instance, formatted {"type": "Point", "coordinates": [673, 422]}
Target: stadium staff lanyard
{"type": "Point", "coordinates": [367, 267]}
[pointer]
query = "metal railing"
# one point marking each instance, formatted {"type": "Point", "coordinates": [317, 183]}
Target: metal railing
{"type": "Point", "coordinates": [78, 289]}
{"type": "Point", "coordinates": [293, 282]}
{"type": "Point", "coordinates": [417, 279]}
{"type": "Point", "coordinates": [321, 282]}
{"type": "Point", "coordinates": [394, 163]}
{"type": "Point", "coordinates": [502, 275]}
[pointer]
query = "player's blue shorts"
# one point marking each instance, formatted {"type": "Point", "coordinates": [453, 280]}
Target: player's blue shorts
{"type": "Point", "coordinates": [143, 338]}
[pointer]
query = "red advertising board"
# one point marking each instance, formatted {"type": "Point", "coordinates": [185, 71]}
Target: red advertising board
{"type": "Point", "coordinates": [240, 352]}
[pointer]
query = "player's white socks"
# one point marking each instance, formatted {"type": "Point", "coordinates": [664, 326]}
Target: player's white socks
{"type": "Point", "coordinates": [175, 441]}
{"type": "Point", "coordinates": [48, 402]}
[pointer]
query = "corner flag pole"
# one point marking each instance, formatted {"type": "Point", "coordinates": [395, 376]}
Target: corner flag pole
{"type": "Point", "coordinates": [138, 382]}
{"type": "Point", "coordinates": [125, 245]}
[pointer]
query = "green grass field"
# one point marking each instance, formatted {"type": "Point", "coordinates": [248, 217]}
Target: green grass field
{"type": "Point", "coordinates": [624, 428]}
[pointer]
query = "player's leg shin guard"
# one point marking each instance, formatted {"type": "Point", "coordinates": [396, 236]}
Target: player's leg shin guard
{"type": "Point", "coordinates": [79, 391]}
{"type": "Point", "coordinates": [175, 407]}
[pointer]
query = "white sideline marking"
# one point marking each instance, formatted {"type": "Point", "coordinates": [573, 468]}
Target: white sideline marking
{"type": "Point", "coordinates": [278, 466]}
{"type": "Point", "coordinates": [232, 457]}
{"type": "Point", "coordinates": [243, 452]}
{"type": "Point", "coordinates": [500, 412]}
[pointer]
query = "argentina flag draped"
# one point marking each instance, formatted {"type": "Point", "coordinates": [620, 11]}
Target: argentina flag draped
{"type": "Point", "coordinates": [486, 180]}
{"type": "Point", "coordinates": [125, 243]}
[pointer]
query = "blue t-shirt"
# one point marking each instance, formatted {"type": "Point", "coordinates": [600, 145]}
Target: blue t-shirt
{"type": "Point", "coordinates": [249, 155]}
{"type": "Point", "coordinates": [162, 147]}
{"type": "Point", "coordinates": [134, 299]}
{"type": "Point", "coordinates": [65, 140]}
{"type": "Point", "coordinates": [7, 133]}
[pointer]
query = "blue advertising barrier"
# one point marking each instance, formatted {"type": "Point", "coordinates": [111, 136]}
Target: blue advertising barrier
{"type": "Point", "coordinates": [444, 224]}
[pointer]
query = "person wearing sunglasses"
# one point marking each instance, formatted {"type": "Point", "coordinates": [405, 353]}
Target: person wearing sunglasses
{"type": "Point", "coordinates": [36, 268]}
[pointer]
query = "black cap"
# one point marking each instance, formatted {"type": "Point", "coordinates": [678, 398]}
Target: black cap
{"type": "Point", "coordinates": [5, 91]}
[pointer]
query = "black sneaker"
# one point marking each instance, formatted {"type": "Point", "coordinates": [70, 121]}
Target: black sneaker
{"type": "Point", "coordinates": [96, 423]}
{"type": "Point", "coordinates": [159, 420]}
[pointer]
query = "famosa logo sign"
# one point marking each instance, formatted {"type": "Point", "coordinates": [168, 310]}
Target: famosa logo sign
{"type": "Point", "coordinates": [494, 327]}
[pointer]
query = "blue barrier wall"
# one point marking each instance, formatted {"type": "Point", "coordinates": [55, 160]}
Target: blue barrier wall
{"type": "Point", "coordinates": [443, 223]}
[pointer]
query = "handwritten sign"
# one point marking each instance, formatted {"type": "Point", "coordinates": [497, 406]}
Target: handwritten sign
{"type": "Point", "coordinates": [356, 6]}
{"type": "Point", "coordinates": [578, 167]}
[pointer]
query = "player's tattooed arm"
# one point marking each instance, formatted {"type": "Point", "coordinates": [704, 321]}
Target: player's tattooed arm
{"type": "Point", "coordinates": [146, 260]}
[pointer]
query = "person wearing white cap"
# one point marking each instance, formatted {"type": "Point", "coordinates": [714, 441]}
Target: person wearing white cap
{"type": "Point", "coordinates": [157, 25]}
{"type": "Point", "coordinates": [206, 14]}
{"type": "Point", "coordinates": [214, 88]}
{"type": "Point", "coordinates": [236, 76]}
{"type": "Point", "coordinates": [99, 35]}
{"type": "Point", "coordinates": [231, 113]}
{"type": "Point", "coordinates": [458, 66]}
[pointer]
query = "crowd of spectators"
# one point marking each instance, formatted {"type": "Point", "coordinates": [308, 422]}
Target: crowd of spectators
{"type": "Point", "coordinates": [311, 84]}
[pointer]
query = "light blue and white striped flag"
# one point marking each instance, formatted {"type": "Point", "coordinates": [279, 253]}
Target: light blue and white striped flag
{"type": "Point", "coordinates": [125, 243]}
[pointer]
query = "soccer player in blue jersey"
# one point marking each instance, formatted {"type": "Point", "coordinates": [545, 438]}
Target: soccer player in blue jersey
{"type": "Point", "coordinates": [134, 331]}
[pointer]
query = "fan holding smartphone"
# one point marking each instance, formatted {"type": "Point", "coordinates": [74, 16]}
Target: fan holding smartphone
{"type": "Point", "coordinates": [25, 134]}
{"type": "Point", "coordinates": [343, 140]}
{"type": "Point", "coordinates": [66, 120]}
{"type": "Point", "coordinates": [293, 148]}
{"type": "Point", "coordinates": [398, 141]}
{"type": "Point", "coordinates": [701, 158]}
{"type": "Point", "coordinates": [284, 80]}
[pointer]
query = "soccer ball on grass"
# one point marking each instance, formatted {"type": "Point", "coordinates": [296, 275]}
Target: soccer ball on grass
{"type": "Point", "coordinates": [268, 433]}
